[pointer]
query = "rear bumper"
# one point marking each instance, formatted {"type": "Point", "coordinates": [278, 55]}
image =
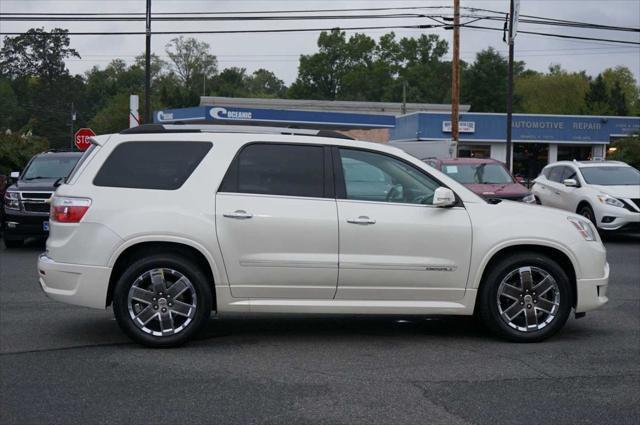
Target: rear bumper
{"type": "Point", "coordinates": [74, 284]}
{"type": "Point", "coordinates": [592, 293]}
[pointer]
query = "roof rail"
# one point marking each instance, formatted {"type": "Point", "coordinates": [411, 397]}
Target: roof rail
{"type": "Point", "coordinates": [208, 127]}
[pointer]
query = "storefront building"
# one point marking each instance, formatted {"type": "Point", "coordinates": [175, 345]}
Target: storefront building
{"type": "Point", "coordinates": [361, 120]}
{"type": "Point", "coordinates": [537, 139]}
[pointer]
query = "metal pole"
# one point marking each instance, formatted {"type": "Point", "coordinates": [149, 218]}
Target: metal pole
{"type": "Point", "coordinates": [404, 97]}
{"type": "Point", "coordinates": [72, 118]}
{"type": "Point", "coordinates": [147, 68]}
{"type": "Point", "coordinates": [455, 73]}
{"type": "Point", "coordinates": [510, 89]}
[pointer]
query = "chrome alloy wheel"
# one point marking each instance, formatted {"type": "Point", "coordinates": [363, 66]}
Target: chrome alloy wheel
{"type": "Point", "coordinates": [162, 302]}
{"type": "Point", "coordinates": [528, 299]}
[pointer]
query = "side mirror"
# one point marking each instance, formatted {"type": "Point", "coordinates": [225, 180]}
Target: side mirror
{"type": "Point", "coordinates": [444, 197]}
{"type": "Point", "coordinates": [15, 175]}
{"type": "Point", "coordinates": [570, 182]}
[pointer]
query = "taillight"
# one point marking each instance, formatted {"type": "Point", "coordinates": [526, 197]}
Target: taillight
{"type": "Point", "coordinates": [69, 210]}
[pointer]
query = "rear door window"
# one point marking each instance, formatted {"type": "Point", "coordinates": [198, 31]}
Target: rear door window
{"type": "Point", "coordinates": [151, 165]}
{"type": "Point", "coordinates": [278, 169]}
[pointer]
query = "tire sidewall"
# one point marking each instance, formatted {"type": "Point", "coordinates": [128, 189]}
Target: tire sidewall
{"type": "Point", "coordinates": [590, 215]}
{"type": "Point", "coordinates": [489, 303]}
{"type": "Point", "coordinates": [187, 268]}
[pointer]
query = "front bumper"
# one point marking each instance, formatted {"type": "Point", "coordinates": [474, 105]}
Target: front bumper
{"type": "Point", "coordinates": [74, 284]}
{"type": "Point", "coordinates": [623, 218]}
{"type": "Point", "coordinates": [592, 293]}
{"type": "Point", "coordinates": [18, 225]}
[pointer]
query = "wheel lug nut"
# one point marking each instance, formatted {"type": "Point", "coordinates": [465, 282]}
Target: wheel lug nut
{"type": "Point", "coordinates": [155, 307]}
{"type": "Point", "coordinates": [521, 303]}
{"type": "Point", "coordinates": [535, 301]}
{"type": "Point", "coordinates": [170, 304]}
{"type": "Point", "coordinates": [164, 310]}
{"type": "Point", "coordinates": [528, 305]}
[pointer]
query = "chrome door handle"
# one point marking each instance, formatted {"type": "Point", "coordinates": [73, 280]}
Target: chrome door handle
{"type": "Point", "coordinates": [238, 214]}
{"type": "Point", "coordinates": [363, 219]}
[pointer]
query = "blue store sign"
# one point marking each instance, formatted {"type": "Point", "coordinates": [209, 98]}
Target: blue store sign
{"type": "Point", "coordinates": [526, 128]}
{"type": "Point", "coordinates": [325, 119]}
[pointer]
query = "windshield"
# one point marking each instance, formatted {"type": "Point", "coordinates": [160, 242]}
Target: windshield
{"type": "Point", "coordinates": [50, 167]}
{"type": "Point", "coordinates": [478, 173]}
{"type": "Point", "coordinates": [611, 176]}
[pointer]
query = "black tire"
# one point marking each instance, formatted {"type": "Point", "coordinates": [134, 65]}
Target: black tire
{"type": "Point", "coordinates": [488, 297]}
{"type": "Point", "coordinates": [586, 211]}
{"type": "Point", "coordinates": [199, 281]}
{"type": "Point", "coordinates": [13, 243]}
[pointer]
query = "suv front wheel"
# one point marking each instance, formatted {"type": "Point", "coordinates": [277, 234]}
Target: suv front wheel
{"type": "Point", "coordinates": [162, 300]}
{"type": "Point", "coordinates": [526, 297]}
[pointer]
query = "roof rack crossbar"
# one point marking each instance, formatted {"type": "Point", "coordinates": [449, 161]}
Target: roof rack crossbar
{"type": "Point", "coordinates": [208, 127]}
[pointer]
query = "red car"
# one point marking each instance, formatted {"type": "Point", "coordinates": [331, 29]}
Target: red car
{"type": "Point", "coordinates": [486, 177]}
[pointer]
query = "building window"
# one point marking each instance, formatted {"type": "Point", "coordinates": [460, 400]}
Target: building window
{"type": "Point", "coordinates": [474, 151]}
{"type": "Point", "coordinates": [529, 159]}
{"type": "Point", "coordinates": [570, 152]}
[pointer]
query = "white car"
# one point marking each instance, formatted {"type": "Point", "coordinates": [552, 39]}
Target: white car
{"type": "Point", "coordinates": [605, 192]}
{"type": "Point", "coordinates": [169, 223]}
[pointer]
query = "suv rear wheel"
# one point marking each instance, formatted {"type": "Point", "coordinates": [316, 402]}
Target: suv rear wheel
{"type": "Point", "coordinates": [526, 298]}
{"type": "Point", "coordinates": [162, 300]}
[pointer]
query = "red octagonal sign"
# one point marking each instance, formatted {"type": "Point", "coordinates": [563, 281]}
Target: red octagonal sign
{"type": "Point", "coordinates": [82, 136]}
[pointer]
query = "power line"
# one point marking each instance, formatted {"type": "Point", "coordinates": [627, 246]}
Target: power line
{"type": "Point", "coordinates": [210, 18]}
{"type": "Point", "coordinates": [566, 36]}
{"type": "Point", "coordinates": [255, 31]}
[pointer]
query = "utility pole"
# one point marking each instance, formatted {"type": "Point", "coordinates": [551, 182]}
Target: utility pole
{"type": "Point", "coordinates": [404, 97]}
{"type": "Point", "coordinates": [72, 120]}
{"type": "Point", "coordinates": [147, 68]}
{"type": "Point", "coordinates": [455, 74]}
{"type": "Point", "coordinates": [513, 21]}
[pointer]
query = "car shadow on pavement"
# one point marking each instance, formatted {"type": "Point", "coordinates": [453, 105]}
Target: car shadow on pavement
{"type": "Point", "coordinates": [619, 237]}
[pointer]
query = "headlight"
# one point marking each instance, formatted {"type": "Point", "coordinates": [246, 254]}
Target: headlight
{"type": "Point", "coordinates": [11, 200]}
{"type": "Point", "coordinates": [610, 200]}
{"type": "Point", "coordinates": [529, 199]}
{"type": "Point", "coordinates": [585, 228]}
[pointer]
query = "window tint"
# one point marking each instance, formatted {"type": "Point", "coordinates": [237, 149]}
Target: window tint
{"type": "Point", "coordinates": [280, 169]}
{"type": "Point", "coordinates": [151, 165]}
{"type": "Point", "coordinates": [555, 175]}
{"type": "Point", "coordinates": [374, 177]}
{"type": "Point", "coordinates": [569, 173]}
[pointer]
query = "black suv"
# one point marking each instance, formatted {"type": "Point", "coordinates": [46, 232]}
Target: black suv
{"type": "Point", "coordinates": [26, 202]}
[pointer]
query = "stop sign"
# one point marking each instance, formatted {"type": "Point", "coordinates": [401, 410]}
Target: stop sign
{"type": "Point", "coordinates": [82, 136]}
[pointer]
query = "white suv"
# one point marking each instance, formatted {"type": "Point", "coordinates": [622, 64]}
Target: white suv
{"type": "Point", "coordinates": [605, 192]}
{"type": "Point", "coordinates": [169, 223]}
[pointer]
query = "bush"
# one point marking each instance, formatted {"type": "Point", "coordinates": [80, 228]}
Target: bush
{"type": "Point", "coordinates": [17, 149]}
{"type": "Point", "coordinates": [626, 150]}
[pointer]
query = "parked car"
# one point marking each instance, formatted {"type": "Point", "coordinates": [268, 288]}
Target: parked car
{"type": "Point", "coordinates": [26, 202]}
{"type": "Point", "coordinates": [605, 192]}
{"type": "Point", "coordinates": [486, 177]}
{"type": "Point", "coordinates": [169, 222]}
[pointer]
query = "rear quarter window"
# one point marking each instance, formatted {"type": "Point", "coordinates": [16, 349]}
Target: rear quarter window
{"type": "Point", "coordinates": [151, 165]}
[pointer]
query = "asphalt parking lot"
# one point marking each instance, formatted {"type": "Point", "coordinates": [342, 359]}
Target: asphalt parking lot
{"type": "Point", "coordinates": [66, 364]}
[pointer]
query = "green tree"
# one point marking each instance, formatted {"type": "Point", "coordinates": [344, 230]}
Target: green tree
{"type": "Point", "coordinates": [36, 53]}
{"type": "Point", "coordinates": [555, 92]}
{"type": "Point", "coordinates": [264, 83]}
{"type": "Point", "coordinates": [191, 60]}
{"type": "Point", "coordinates": [232, 82]}
{"type": "Point", "coordinates": [597, 100]}
{"type": "Point", "coordinates": [484, 84]}
{"type": "Point", "coordinates": [8, 104]}
{"type": "Point", "coordinates": [627, 86]}
{"type": "Point", "coordinates": [16, 149]}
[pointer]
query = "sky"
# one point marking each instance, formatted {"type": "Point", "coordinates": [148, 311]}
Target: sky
{"type": "Point", "coordinates": [280, 52]}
